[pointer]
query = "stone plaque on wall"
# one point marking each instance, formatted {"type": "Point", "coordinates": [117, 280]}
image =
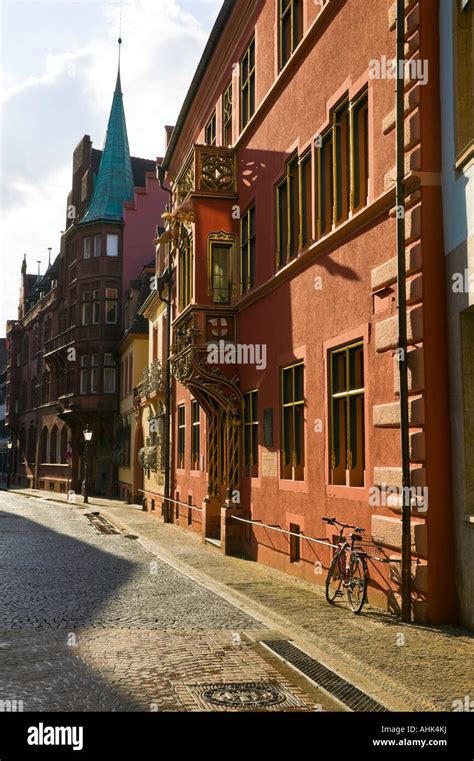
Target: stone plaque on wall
{"type": "Point", "coordinates": [270, 464]}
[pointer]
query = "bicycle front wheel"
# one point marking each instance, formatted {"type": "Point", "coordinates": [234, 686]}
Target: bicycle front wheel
{"type": "Point", "coordinates": [357, 586]}
{"type": "Point", "coordinates": [334, 579]}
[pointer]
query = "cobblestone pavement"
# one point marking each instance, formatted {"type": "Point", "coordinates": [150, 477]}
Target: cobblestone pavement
{"type": "Point", "coordinates": [407, 667]}
{"type": "Point", "coordinates": [90, 621]}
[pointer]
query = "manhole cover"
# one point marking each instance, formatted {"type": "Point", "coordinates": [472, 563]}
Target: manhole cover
{"type": "Point", "coordinates": [245, 695]}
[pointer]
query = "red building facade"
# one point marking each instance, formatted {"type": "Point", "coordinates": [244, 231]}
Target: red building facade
{"type": "Point", "coordinates": [282, 238]}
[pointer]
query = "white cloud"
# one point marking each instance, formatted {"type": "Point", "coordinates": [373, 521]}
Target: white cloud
{"type": "Point", "coordinates": [25, 230]}
{"type": "Point", "coordinates": [45, 114]}
{"type": "Point", "coordinates": [57, 66]}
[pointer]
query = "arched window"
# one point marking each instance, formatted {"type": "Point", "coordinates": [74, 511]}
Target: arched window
{"type": "Point", "coordinates": [44, 445]}
{"type": "Point", "coordinates": [53, 444]}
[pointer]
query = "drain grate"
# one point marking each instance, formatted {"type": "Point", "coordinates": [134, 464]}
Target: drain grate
{"type": "Point", "coordinates": [101, 524]}
{"type": "Point", "coordinates": [334, 684]}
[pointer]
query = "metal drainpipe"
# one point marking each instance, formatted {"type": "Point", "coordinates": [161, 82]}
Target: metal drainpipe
{"type": "Point", "coordinates": [167, 506]}
{"type": "Point", "coordinates": [402, 318]}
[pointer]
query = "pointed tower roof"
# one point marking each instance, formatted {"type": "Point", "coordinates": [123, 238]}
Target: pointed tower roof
{"type": "Point", "coordinates": [114, 182]}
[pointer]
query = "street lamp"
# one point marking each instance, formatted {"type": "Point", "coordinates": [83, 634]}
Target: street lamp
{"type": "Point", "coordinates": [9, 464]}
{"type": "Point", "coordinates": [87, 438]}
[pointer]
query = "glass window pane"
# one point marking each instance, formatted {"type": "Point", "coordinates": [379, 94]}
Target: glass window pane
{"type": "Point", "coordinates": [287, 434]}
{"type": "Point", "coordinates": [287, 385]}
{"type": "Point", "coordinates": [299, 383]}
{"type": "Point", "coordinates": [338, 372]}
{"type": "Point", "coordinates": [112, 244]}
{"type": "Point", "coordinates": [221, 274]}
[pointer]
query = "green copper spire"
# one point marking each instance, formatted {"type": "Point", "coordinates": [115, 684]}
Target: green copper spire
{"type": "Point", "coordinates": [114, 182]}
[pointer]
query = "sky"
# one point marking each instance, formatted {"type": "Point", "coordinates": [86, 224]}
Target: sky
{"type": "Point", "coordinates": [58, 66]}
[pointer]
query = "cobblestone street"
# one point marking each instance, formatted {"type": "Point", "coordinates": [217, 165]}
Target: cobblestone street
{"type": "Point", "coordinates": [147, 618]}
{"type": "Point", "coordinates": [93, 621]}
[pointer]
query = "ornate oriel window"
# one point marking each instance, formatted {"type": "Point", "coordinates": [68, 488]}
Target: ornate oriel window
{"type": "Point", "coordinates": [292, 422]}
{"type": "Point", "coordinates": [251, 433]}
{"type": "Point", "coordinates": [290, 14]}
{"type": "Point", "coordinates": [247, 85]}
{"type": "Point", "coordinates": [227, 115]}
{"type": "Point", "coordinates": [342, 176]}
{"type": "Point", "coordinates": [222, 267]}
{"type": "Point", "coordinates": [346, 415]}
{"type": "Point", "coordinates": [247, 249]}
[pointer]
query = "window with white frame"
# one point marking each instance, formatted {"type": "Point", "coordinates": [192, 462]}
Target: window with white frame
{"type": "Point", "coordinates": [112, 244]}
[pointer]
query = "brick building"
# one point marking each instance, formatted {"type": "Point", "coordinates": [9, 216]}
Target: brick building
{"type": "Point", "coordinates": [62, 350]}
{"type": "Point", "coordinates": [282, 240]}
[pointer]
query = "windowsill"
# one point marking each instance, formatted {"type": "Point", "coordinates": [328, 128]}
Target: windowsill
{"type": "Point", "coordinates": [355, 493]}
{"type": "Point", "coordinates": [295, 486]}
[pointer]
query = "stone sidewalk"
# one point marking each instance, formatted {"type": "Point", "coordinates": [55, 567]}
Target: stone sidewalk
{"type": "Point", "coordinates": [406, 667]}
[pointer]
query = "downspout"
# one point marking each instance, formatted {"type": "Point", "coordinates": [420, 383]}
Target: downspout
{"type": "Point", "coordinates": [167, 506]}
{"type": "Point", "coordinates": [402, 318]}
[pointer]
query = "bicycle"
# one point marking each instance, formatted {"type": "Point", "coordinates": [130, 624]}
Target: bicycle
{"type": "Point", "coordinates": [348, 569]}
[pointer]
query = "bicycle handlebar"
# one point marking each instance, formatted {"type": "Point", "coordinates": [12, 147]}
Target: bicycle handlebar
{"type": "Point", "coordinates": [334, 522]}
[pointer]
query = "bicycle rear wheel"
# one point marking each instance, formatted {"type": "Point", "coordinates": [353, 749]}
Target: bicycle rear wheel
{"type": "Point", "coordinates": [334, 579]}
{"type": "Point", "coordinates": [357, 586]}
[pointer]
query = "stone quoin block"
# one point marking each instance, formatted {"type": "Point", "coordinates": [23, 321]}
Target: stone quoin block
{"type": "Point", "coordinates": [412, 21]}
{"type": "Point", "coordinates": [415, 371]}
{"type": "Point", "coordinates": [392, 12]}
{"type": "Point", "coordinates": [388, 476]}
{"type": "Point", "coordinates": [417, 446]}
{"type": "Point", "coordinates": [386, 332]}
{"type": "Point", "coordinates": [412, 130]}
{"type": "Point", "coordinates": [412, 45]}
{"type": "Point", "coordinates": [388, 532]}
{"type": "Point", "coordinates": [413, 161]}
{"type": "Point", "coordinates": [388, 415]}
{"type": "Point", "coordinates": [418, 477]}
{"type": "Point", "coordinates": [413, 224]}
{"type": "Point", "coordinates": [386, 273]}
{"type": "Point", "coordinates": [414, 290]}
{"type": "Point", "coordinates": [410, 101]}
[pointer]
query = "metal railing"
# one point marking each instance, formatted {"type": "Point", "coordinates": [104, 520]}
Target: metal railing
{"type": "Point", "coordinates": [310, 538]}
{"type": "Point", "coordinates": [169, 499]}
